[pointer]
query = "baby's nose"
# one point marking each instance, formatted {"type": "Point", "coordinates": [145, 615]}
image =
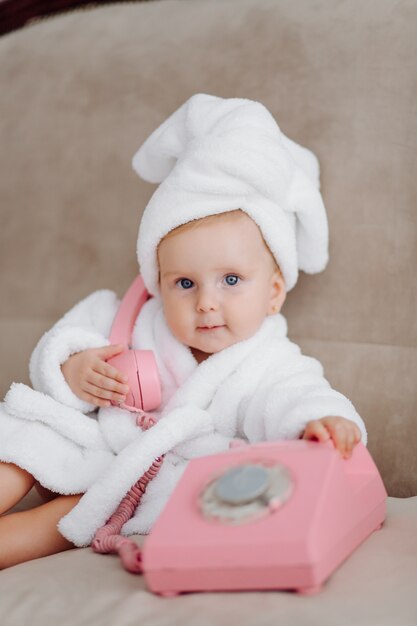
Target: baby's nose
{"type": "Point", "coordinates": [207, 300]}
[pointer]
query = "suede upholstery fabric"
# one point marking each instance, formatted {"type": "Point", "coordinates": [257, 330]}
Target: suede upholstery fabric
{"type": "Point", "coordinates": [79, 94]}
{"type": "Point", "coordinates": [375, 586]}
{"type": "Point", "coordinates": [85, 89]}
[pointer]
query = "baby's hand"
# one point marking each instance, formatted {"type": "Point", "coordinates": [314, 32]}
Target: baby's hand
{"type": "Point", "coordinates": [344, 433]}
{"type": "Point", "coordinates": [94, 380]}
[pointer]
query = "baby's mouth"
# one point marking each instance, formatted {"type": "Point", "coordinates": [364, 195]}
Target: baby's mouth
{"type": "Point", "coordinates": [209, 329]}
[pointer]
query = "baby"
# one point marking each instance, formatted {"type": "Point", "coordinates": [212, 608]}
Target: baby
{"type": "Point", "coordinates": [218, 253]}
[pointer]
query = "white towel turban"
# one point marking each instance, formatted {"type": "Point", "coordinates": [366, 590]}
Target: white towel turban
{"type": "Point", "coordinates": [215, 155]}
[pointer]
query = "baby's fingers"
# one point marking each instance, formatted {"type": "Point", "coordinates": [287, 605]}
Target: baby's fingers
{"type": "Point", "coordinates": [101, 396]}
{"type": "Point", "coordinates": [338, 433]}
{"type": "Point", "coordinates": [89, 395]}
{"type": "Point", "coordinates": [345, 435]}
{"type": "Point", "coordinates": [106, 352]}
{"type": "Point", "coordinates": [316, 430]}
{"type": "Point", "coordinates": [107, 388]}
{"type": "Point", "coordinates": [357, 435]}
{"type": "Point", "coordinates": [103, 368]}
{"type": "Point", "coordinates": [353, 437]}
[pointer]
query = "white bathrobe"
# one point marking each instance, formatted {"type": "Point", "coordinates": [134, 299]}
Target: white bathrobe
{"type": "Point", "coordinates": [262, 388]}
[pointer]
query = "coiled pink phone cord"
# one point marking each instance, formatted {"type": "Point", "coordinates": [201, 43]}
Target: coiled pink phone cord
{"type": "Point", "coordinates": [108, 539]}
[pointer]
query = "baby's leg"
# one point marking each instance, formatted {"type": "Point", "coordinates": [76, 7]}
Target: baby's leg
{"type": "Point", "coordinates": [15, 483]}
{"type": "Point", "coordinates": [33, 534]}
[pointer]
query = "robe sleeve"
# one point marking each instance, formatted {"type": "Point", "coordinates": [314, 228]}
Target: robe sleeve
{"type": "Point", "coordinates": [282, 407]}
{"type": "Point", "coordinates": [86, 325]}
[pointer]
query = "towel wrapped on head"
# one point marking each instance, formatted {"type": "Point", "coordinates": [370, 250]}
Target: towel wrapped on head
{"type": "Point", "coordinates": [215, 155]}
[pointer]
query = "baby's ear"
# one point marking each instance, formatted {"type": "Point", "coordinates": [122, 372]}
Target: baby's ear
{"type": "Point", "coordinates": [278, 293]}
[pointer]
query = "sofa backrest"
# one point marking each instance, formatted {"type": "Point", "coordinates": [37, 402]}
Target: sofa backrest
{"type": "Point", "coordinates": [80, 93]}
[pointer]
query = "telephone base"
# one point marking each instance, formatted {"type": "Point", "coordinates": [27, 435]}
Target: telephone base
{"type": "Point", "coordinates": [332, 506]}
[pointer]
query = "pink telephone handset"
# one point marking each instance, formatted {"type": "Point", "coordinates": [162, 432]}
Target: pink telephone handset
{"type": "Point", "coordinates": [139, 365]}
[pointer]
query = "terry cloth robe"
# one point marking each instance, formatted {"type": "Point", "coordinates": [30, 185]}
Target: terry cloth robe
{"type": "Point", "coordinates": [259, 389]}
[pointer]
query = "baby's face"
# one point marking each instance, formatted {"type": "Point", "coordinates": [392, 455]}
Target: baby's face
{"type": "Point", "coordinates": [218, 283]}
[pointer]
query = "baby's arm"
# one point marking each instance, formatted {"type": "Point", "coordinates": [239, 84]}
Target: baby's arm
{"type": "Point", "coordinates": [298, 402]}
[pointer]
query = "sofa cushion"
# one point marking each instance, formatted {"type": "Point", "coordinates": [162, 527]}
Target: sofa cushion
{"type": "Point", "coordinates": [375, 586]}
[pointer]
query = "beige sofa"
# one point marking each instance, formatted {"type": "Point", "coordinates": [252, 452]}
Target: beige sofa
{"type": "Point", "coordinates": [79, 93]}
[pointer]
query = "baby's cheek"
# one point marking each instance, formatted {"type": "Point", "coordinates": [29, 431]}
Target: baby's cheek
{"type": "Point", "coordinates": [247, 320]}
{"type": "Point", "coordinates": [171, 316]}
{"type": "Point", "coordinates": [175, 324]}
{"type": "Point", "coordinates": [179, 324]}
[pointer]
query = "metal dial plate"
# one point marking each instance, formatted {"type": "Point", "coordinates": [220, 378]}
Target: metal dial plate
{"type": "Point", "coordinates": [246, 492]}
{"type": "Point", "coordinates": [242, 484]}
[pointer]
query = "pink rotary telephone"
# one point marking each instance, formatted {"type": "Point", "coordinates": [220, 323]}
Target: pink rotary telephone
{"type": "Point", "coordinates": [139, 365]}
{"type": "Point", "coordinates": [270, 515]}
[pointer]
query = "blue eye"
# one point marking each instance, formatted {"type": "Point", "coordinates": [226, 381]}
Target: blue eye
{"type": "Point", "coordinates": [185, 283]}
{"type": "Point", "coordinates": [232, 279]}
